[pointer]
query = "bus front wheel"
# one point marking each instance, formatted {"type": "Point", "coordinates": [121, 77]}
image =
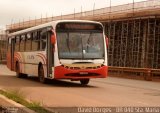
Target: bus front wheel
{"type": "Point", "coordinates": [41, 76]}
{"type": "Point", "coordinates": [84, 81]}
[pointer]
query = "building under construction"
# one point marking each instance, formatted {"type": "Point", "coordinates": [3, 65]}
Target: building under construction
{"type": "Point", "coordinates": [133, 31]}
{"type": "Point", "coordinates": [3, 46]}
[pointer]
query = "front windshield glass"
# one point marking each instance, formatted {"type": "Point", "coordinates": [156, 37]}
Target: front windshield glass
{"type": "Point", "coordinates": [80, 44]}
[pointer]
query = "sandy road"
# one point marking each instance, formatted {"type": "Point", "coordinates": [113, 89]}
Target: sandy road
{"type": "Point", "coordinates": [100, 92]}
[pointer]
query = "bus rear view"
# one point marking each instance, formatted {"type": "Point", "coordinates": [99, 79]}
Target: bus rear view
{"type": "Point", "coordinates": [80, 51]}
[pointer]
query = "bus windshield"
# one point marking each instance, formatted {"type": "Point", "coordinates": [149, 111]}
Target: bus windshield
{"type": "Point", "coordinates": [80, 44]}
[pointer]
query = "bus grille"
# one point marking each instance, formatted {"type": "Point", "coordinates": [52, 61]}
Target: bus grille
{"type": "Point", "coordinates": [81, 75]}
{"type": "Point", "coordinates": [77, 68]}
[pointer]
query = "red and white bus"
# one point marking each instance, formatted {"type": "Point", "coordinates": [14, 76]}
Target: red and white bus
{"type": "Point", "coordinates": [64, 49]}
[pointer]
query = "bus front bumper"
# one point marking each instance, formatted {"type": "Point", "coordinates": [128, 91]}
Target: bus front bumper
{"type": "Point", "coordinates": [61, 72]}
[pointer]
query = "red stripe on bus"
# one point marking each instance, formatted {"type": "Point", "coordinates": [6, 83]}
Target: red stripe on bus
{"type": "Point", "coordinates": [44, 57]}
{"type": "Point", "coordinates": [20, 60]}
{"type": "Point", "coordinates": [41, 58]}
{"type": "Point", "coordinates": [19, 56]}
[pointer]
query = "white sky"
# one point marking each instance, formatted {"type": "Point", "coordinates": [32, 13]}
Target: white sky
{"type": "Point", "coordinates": [12, 11]}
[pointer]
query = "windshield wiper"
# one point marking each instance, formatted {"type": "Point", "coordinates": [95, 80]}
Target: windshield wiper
{"type": "Point", "coordinates": [68, 42]}
{"type": "Point", "coordinates": [88, 41]}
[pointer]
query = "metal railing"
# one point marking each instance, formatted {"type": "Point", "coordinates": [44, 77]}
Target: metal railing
{"type": "Point", "coordinates": [147, 72]}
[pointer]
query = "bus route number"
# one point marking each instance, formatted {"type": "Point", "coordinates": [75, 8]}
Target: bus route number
{"type": "Point", "coordinates": [31, 57]}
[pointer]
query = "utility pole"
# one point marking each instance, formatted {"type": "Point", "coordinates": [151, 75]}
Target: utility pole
{"type": "Point", "coordinates": [110, 6]}
{"type": "Point", "coordinates": [133, 8]}
{"type": "Point", "coordinates": [81, 11]}
{"type": "Point", "coordinates": [46, 17]}
{"type": "Point", "coordinates": [11, 23]}
{"type": "Point", "coordinates": [41, 18]}
{"type": "Point", "coordinates": [74, 13]}
{"type": "Point", "coordinates": [93, 8]}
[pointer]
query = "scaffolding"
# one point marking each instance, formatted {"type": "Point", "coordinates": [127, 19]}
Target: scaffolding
{"type": "Point", "coordinates": [3, 46]}
{"type": "Point", "coordinates": [134, 43]}
{"type": "Point", "coordinates": [153, 43]}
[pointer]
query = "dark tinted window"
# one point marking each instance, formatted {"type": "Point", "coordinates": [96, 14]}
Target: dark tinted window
{"type": "Point", "coordinates": [17, 41]}
{"type": "Point", "coordinates": [43, 36]}
{"type": "Point", "coordinates": [35, 41]}
{"type": "Point", "coordinates": [28, 41]}
{"type": "Point", "coordinates": [22, 42]}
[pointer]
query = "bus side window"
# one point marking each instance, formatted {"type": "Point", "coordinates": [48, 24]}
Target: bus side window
{"type": "Point", "coordinates": [17, 40]}
{"type": "Point", "coordinates": [22, 43]}
{"type": "Point", "coordinates": [35, 42]}
{"type": "Point", "coordinates": [43, 37]}
{"type": "Point", "coordinates": [28, 41]}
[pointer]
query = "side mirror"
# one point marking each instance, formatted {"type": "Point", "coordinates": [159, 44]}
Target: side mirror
{"type": "Point", "coordinates": [107, 41]}
{"type": "Point", "coordinates": [53, 39]}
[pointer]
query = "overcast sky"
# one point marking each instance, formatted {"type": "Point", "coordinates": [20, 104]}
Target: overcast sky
{"type": "Point", "coordinates": [12, 11]}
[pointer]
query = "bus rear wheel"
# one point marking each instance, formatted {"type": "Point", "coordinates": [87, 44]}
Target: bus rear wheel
{"type": "Point", "coordinates": [18, 74]}
{"type": "Point", "coordinates": [84, 81]}
{"type": "Point", "coordinates": [41, 76]}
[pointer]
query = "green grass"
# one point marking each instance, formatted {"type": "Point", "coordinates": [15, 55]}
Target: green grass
{"type": "Point", "coordinates": [18, 97]}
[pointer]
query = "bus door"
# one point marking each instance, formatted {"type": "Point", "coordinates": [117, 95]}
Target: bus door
{"type": "Point", "coordinates": [46, 34]}
{"type": "Point", "coordinates": [12, 53]}
{"type": "Point", "coordinates": [50, 54]}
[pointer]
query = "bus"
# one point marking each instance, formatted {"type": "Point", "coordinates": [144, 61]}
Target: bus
{"type": "Point", "coordinates": [62, 49]}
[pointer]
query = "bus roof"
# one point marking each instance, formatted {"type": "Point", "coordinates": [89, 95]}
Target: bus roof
{"type": "Point", "coordinates": [52, 24]}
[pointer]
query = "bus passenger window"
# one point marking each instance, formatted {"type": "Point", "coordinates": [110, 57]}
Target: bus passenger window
{"type": "Point", "coordinates": [17, 40]}
{"type": "Point", "coordinates": [22, 43]}
{"type": "Point", "coordinates": [43, 40]}
{"type": "Point", "coordinates": [35, 42]}
{"type": "Point", "coordinates": [28, 42]}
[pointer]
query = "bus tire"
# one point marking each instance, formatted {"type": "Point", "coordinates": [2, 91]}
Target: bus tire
{"type": "Point", "coordinates": [18, 74]}
{"type": "Point", "coordinates": [24, 75]}
{"type": "Point", "coordinates": [41, 77]}
{"type": "Point", "coordinates": [84, 81]}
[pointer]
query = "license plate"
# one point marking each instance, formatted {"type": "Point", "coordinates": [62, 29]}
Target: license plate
{"type": "Point", "coordinates": [83, 73]}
